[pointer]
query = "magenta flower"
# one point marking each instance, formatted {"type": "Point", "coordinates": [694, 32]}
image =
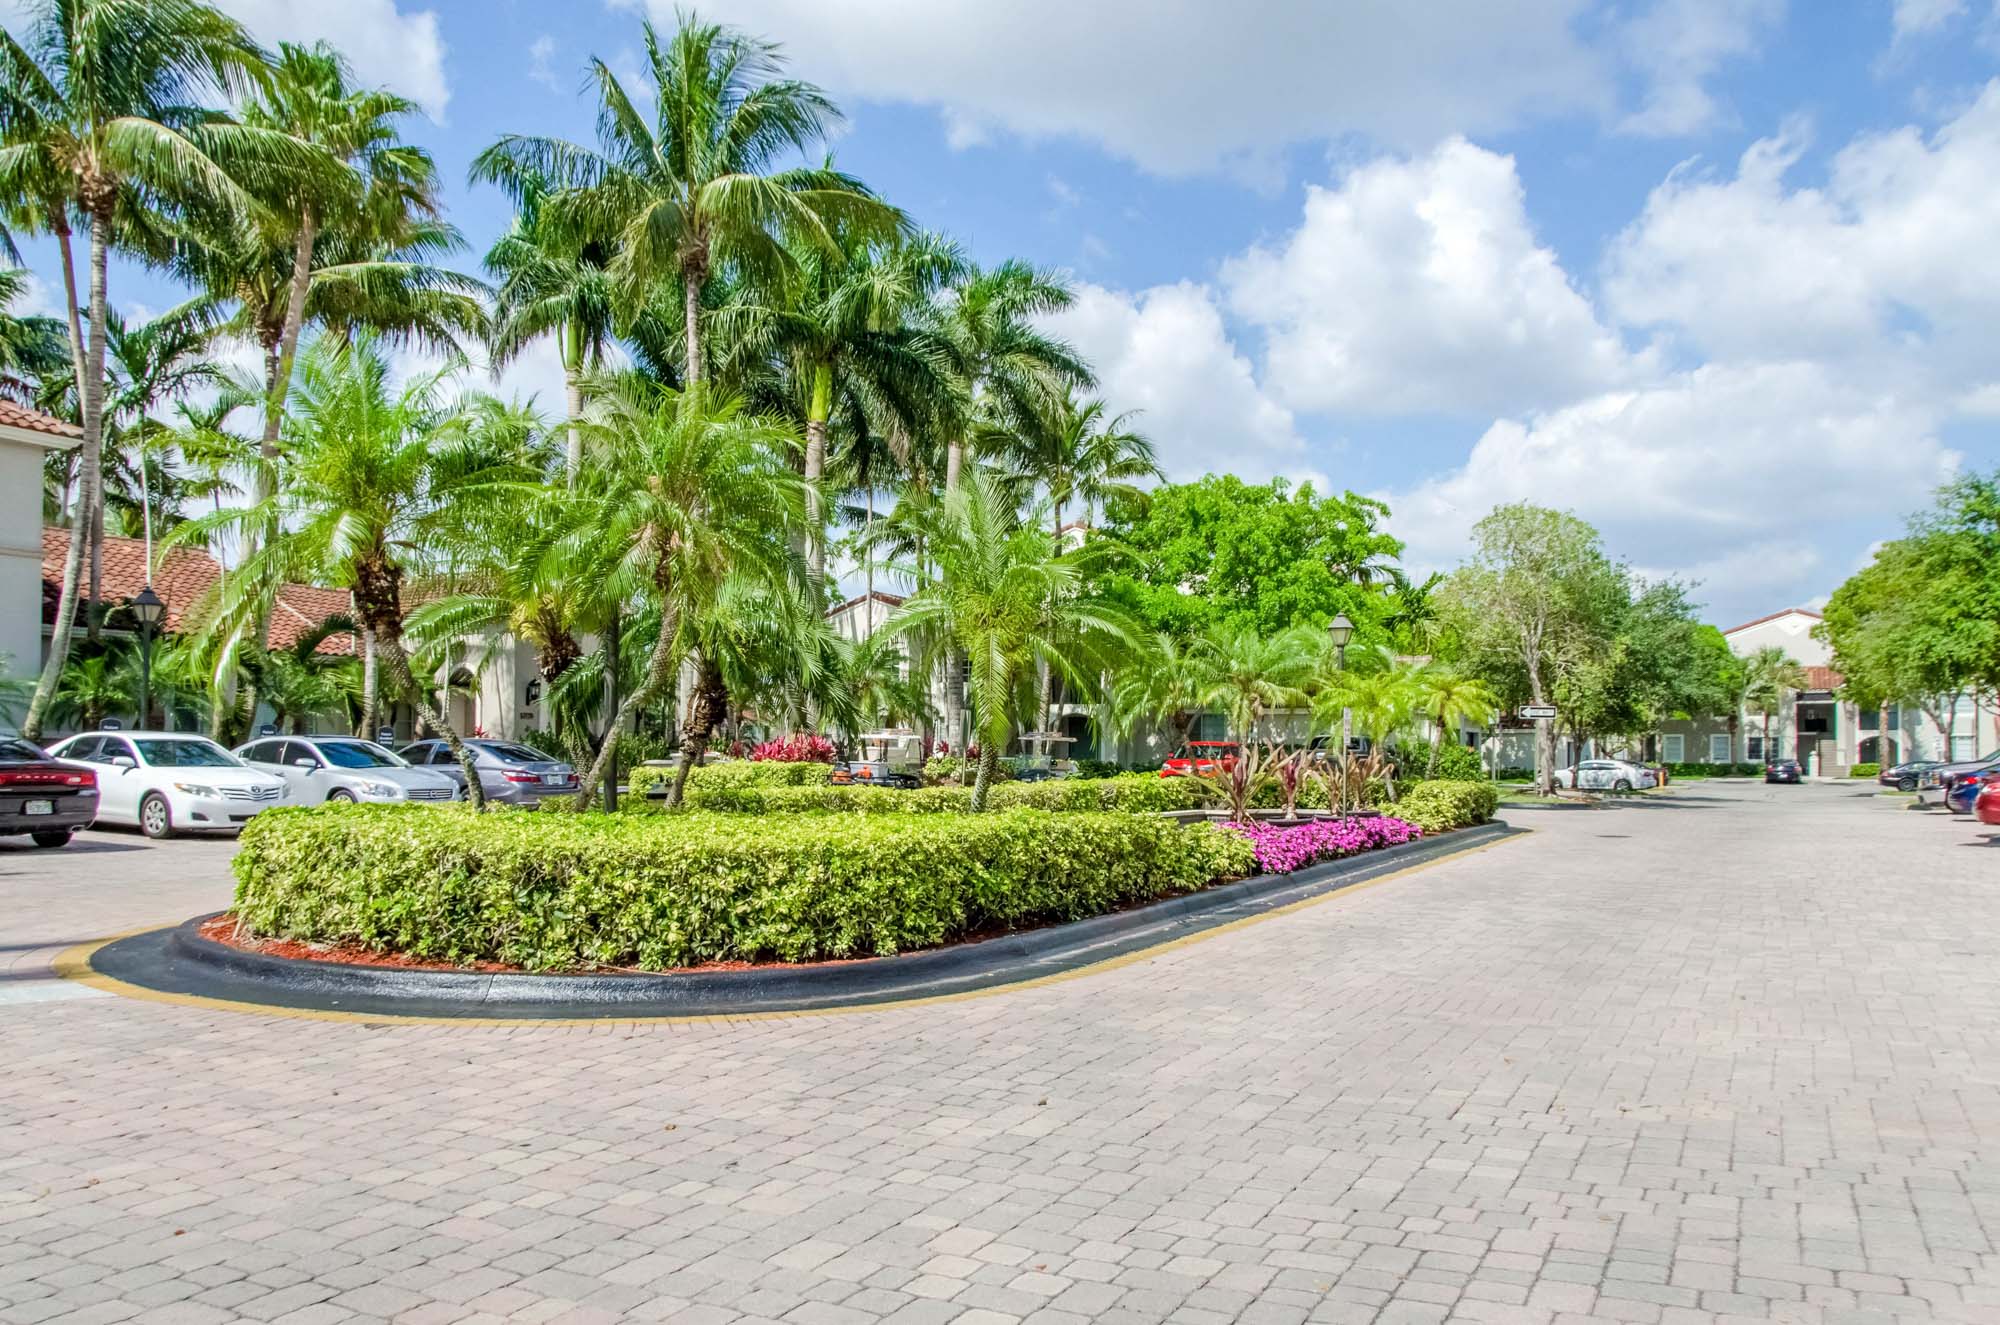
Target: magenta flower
{"type": "Point", "coordinates": [1281, 849]}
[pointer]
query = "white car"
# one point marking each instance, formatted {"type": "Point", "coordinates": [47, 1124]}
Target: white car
{"type": "Point", "coordinates": [1607, 775]}
{"type": "Point", "coordinates": [319, 769]}
{"type": "Point", "coordinates": [169, 782]}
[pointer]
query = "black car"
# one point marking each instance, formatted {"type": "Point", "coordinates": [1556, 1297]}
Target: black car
{"type": "Point", "coordinates": [46, 798]}
{"type": "Point", "coordinates": [1905, 777]}
{"type": "Point", "coordinates": [1784, 770]}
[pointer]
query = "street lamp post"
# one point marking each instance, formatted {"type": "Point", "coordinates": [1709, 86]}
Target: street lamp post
{"type": "Point", "coordinates": [148, 608]}
{"type": "Point", "coordinates": [1339, 631]}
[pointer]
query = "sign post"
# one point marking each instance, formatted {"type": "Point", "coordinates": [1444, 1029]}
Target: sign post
{"type": "Point", "coordinates": [1538, 714]}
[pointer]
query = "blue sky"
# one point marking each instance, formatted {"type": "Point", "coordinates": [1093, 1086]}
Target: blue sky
{"type": "Point", "coordinates": [1719, 275]}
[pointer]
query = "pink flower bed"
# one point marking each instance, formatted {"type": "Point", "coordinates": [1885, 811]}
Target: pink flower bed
{"type": "Point", "coordinates": [1281, 849]}
{"type": "Point", "coordinates": [806, 748]}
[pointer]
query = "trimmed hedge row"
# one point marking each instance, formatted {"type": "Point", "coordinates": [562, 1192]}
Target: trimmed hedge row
{"type": "Point", "coordinates": [1438, 806]}
{"type": "Point", "coordinates": [1868, 770]}
{"type": "Point", "coordinates": [1685, 770]}
{"type": "Point", "coordinates": [736, 773]}
{"type": "Point", "coordinates": [554, 892]}
{"type": "Point", "coordinates": [1132, 793]}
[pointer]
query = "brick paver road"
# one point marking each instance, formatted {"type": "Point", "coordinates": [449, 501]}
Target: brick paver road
{"type": "Point", "coordinates": [1733, 1055]}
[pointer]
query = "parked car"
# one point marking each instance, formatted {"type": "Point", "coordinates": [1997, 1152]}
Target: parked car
{"type": "Point", "coordinates": [1784, 770]}
{"type": "Point", "coordinates": [509, 773]}
{"type": "Point", "coordinates": [1986, 805]}
{"type": "Point", "coordinates": [46, 798]}
{"type": "Point", "coordinates": [1934, 783]}
{"type": "Point", "coordinates": [319, 769]}
{"type": "Point", "coordinates": [1200, 757]}
{"type": "Point", "coordinates": [1905, 776]}
{"type": "Point", "coordinates": [170, 782]}
{"type": "Point", "coordinates": [1607, 775]}
{"type": "Point", "coordinates": [1965, 789]}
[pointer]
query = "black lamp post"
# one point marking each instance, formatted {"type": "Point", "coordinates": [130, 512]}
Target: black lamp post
{"type": "Point", "coordinates": [150, 610]}
{"type": "Point", "coordinates": [1340, 631]}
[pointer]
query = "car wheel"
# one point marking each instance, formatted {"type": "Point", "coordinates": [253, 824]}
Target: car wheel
{"type": "Point", "coordinates": [53, 837]}
{"type": "Point", "coordinates": [156, 820]}
{"type": "Point", "coordinates": [340, 795]}
{"type": "Point", "coordinates": [1621, 785]}
{"type": "Point", "coordinates": [1906, 784]}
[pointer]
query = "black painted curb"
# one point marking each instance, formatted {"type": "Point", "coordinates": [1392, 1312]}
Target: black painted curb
{"type": "Point", "coordinates": [180, 961]}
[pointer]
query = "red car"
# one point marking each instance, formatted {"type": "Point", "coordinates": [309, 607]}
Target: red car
{"type": "Point", "coordinates": [1200, 757]}
{"type": "Point", "coordinates": [1986, 805]}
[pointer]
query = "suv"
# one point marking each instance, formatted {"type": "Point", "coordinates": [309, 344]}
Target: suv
{"type": "Point", "coordinates": [509, 773]}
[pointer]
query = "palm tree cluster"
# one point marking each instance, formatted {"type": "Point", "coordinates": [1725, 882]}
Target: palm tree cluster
{"type": "Point", "coordinates": [769, 371]}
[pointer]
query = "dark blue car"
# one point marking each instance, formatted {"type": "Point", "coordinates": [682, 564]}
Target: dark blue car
{"type": "Point", "coordinates": [1965, 789]}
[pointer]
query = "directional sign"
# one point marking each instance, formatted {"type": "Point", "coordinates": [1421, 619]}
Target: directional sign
{"type": "Point", "coordinates": [385, 734]}
{"type": "Point", "coordinates": [268, 729]}
{"type": "Point", "coordinates": [1529, 711]}
{"type": "Point", "coordinates": [111, 725]}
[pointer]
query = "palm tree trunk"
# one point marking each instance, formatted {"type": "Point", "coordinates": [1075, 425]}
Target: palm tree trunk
{"type": "Point", "coordinates": [710, 707]}
{"type": "Point", "coordinates": [368, 665]}
{"type": "Point", "coordinates": [95, 617]}
{"type": "Point", "coordinates": [989, 763]}
{"type": "Point", "coordinates": [1437, 743]}
{"type": "Point", "coordinates": [816, 417]}
{"type": "Point", "coordinates": [280, 379]}
{"type": "Point", "coordinates": [398, 663]}
{"type": "Point", "coordinates": [692, 278]}
{"type": "Point", "coordinates": [659, 672]}
{"type": "Point", "coordinates": [573, 400]}
{"type": "Point", "coordinates": [871, 546]}
{"type": "Point", "coordinates": [74, 316]}
{"type": "Point", "coordinates": [90, 460]}
{"type": "Point", "coordinates": [954, 463]}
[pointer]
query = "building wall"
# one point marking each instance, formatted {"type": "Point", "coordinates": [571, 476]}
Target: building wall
{"type": "Point", "coordinates": [21, 556]}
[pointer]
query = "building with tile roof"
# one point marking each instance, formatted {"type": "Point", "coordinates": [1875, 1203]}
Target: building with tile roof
{"type": "Point", "coordinates": [26, 438]}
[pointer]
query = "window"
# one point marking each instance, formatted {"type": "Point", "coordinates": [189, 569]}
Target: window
{"type": "Point", "coordinates": [115, 747]}
{"type": "Point", "coordinates": [164, 752]}
{"type": "Point", "coordinates": [1756, 748]}
{"type": "Point", "coordinates": [290, 752]}
{"type": "Point", "coordinates": [1718, 748]}
{"type": "Point", "coordinates": [84, 748]}
{"type": "Point", "coordinates": [356, 754]}
{"type": "Point", "coordinates": [1673, 748]}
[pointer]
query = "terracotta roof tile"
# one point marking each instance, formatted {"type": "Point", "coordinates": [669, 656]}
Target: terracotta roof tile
{"type": "Point", "coordinates": [183, 576]}
{"type": "Point", "coordinates": [1822, 678]}
{"type": "Point", "coordinates": [18, 416]}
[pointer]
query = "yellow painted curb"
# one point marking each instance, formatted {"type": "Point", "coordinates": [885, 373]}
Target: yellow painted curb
{"type": "Point", "coordinates": [74, 964]}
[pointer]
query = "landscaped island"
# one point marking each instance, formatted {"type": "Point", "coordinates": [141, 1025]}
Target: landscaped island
{"type": "Point", "coordinates": [766, 873]}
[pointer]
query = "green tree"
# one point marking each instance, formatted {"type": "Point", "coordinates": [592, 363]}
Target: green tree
{"type": "Point", "coordinates": [1079, 454]}
{"type": "Point", "coordinates": [1448, 697]}
{"type": "Point", "coordinates": [97, 121]}
{"type": "Point", "coordinates": [1769, 674]}
{"type": "Point", "coordinates": [1253, 674]}
{"type": "Point", "coordinates": [93, 689]}
{"type": "Point", "coordinates": [1170, 681]}
{"type": "Point", "coordinates": [694, 190]}
{"type": "Point", "coordinates": [1006, 600]}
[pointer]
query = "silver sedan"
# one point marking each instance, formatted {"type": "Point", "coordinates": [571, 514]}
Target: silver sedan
{"type": "Point", "coordinates": [1607, 775]}
{"type": "Point", "coordinates": [343, 768]}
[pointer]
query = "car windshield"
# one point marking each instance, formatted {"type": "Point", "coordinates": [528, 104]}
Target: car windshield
{"type": "Point", "coordinates": [162, 752]}
{"type": "Point", "coordinates": [21, 750]}
{"type": "Point", "coordinates": [358, 754]}
{"type": "Point", "coordinates": [514, 754]}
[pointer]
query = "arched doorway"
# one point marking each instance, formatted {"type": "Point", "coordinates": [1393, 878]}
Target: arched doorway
{"type": "Point", "coordinates": [1865, 753]}
{"type": "Point", "coordinates": [462, 701]}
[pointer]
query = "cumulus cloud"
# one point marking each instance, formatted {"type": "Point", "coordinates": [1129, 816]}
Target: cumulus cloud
{"type": "Point", "coordinates": [1418, 285]}
{"type": "Point", "coordinates": [400, 50]}
{"type": "Point", "coordinates": [1728, 473]}
{"type": "Point", "coordinates": [1678, 45]}
{"type": "Point", "coordinates": [1166, 353]}
{"type": "Point", "coordinates": [1892, 256]}
{"type": "Point", "coordinates": [1185, 85]}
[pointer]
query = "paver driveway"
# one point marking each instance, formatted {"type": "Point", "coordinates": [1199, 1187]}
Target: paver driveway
{"type": "Point", "coordinates": [1727, 1054]}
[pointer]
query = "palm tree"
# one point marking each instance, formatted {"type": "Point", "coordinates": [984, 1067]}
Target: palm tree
{"type": "Point", "coordinates": [884, 691]}
{"type": "Point", "coordinates": [691, 491]}
{"type": "Point", "coordinates": [694, 191]}
{"type": "Point", "coordinates": [1080, 455]}
{"type": "Point", "coordinates": [1009, 370]}
{"type": "Point", "coordinates": [1449, 696]}
{"type": "Point", "coordinates": [549, 285]}
{"type": "Point", "coordinates": [30, 346]}
{"type": "Point", "coordinates": [159, 360]}
{"type": "Point", "coordinates": [96, 122]}
{"type": "Point", "coordinates": [1767, 675]}
{"type": "Point", "coordinates": [1006, 600]}
{"type": "Point", "coordinates": [92, 689]}
{"type": "Point", "coordinates": [1170, 682]}
{"type": "Point", "coordinates": [378, 485]}
{"type": "Point", "coordinates": [844, 318]}
{"type": "Point", "coordinates": [1380, 692]}
{"type": "Point", "coordinates": [1255, 673]}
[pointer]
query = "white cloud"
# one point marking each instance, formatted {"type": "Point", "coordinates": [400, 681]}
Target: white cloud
{"type": "Point", "coordinates": [1914, 18]}
{"type": "Point", "coordinates": [541, 62]}
{"type": "Point", "coordinates": [1728, 473]}
{"type": "Point", "coordinates": [1892, 258]}
{"type": "Point", "coordinates": [1419, 286]}
{"type": "Point", "coordinates": [1165, 353]}
{"type": "Point", "coordinates": [400, 50]}
{"type": "Point", "coordinates": [1185, 85]}
{"type": "Point", "coordinates": [1679, 45]}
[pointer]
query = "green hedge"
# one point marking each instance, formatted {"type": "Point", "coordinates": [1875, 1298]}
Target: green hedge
{"type": "Point", "coordinates": [1686, 770]}
{"type": "Point", "coordinates": [552, 892]}
{"type": "Point", "coordinates": [1868, 770]}
{"type": "Point", "coordinates": [1438, 806]}
{"type": "Point", "coordinates": [735, 773]}
{"type": "Point", "coordinates": [1128, 792]}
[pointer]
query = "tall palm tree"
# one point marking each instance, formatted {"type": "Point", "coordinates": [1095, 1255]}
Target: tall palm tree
{"type": "Point", "coordinates": [1768, 674]}
{"type": "Point", "coordinates": [1449, 696]}
{"type": "Point", "coordinates": [378, 486]}
{"type": "Point", "coordinates": [99, 120]}
{"type": "Point", "coordinates": [30, 346]}
{"type": "Point", "coordinates": [694, 190]}
{"type": "Point", "coordinates": [1171, 682]}
{"type": "Point", "coordinates": [1080, 455]}
{"type": "Point", "coordinates": [1007, 367]}
{"type": "Point", "coordinates": [157, 361]}
{"type": "Point", "coordinates": [691, 491]}
{"type": "Point", "coordinates": [548, 284]}
{"type": "Point", "coordinates": [1006, 600]}
{"type": "Point", "coordinates": [844, 318]}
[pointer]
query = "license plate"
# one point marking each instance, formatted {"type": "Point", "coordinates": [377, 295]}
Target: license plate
{"type": "Point", "coordinates": [38, 807]}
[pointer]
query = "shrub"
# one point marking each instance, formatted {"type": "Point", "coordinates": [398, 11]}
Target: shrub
{"type": "Point", "coordinates": [960, 768]}
{"type": "Point", "coordinates": [1129, 793]}
{"type": "Point", "coordinates": [551, 892]}
{"type": "Point", "coordinates": [1096, 768]}
{"type": "Point", "coordinates": [1280, 850]}
{"type": "Point", "coordinates": [800, 748]}
{"type": "Point", "coordinates": [1685, 770]}
{"type": "Point", "coordinates": [1439, 806]}
{"type": "Point", "coordinates": [1869, 770]}
{"type": "Point", "coordinates": [737, 773]}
